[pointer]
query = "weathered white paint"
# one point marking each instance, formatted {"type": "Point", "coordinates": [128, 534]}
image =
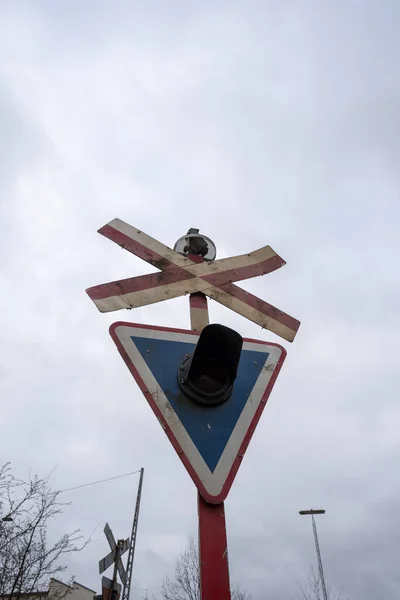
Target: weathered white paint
{"type": "Point", "coordinates": [149, 242]}
{"type": "Point", "coordinates": [198, 269]}
{"type": "Point", "coordinates": [189, 286]}
{"type": "Point", "coordinates": [251, 313]}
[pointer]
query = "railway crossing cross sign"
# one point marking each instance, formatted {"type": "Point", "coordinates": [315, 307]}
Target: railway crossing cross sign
{"type": "Point", "coordinates": [182, 275]}
{"type": "Point", "coordinates": [117, 550]}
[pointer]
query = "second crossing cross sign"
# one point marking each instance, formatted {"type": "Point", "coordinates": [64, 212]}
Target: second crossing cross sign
{"type": "Point", "coordinates": [117, 549]}
{"type": "Point", "coordinates": [180, 276]}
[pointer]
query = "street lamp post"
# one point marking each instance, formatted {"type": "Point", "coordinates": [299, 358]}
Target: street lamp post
{"type": "Point", "coordinates": [313, 512]}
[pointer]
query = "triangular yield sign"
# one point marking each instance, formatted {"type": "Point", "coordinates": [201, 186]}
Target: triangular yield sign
{"type": "Point", "coordinates": [210, 441]}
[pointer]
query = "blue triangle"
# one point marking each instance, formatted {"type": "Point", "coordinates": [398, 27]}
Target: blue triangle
{"type": "Point", "coordinates": [209, 428]}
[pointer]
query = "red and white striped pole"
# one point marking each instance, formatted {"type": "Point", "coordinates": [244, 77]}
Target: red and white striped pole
{"type": "Point", "coordinates": [213, 547]}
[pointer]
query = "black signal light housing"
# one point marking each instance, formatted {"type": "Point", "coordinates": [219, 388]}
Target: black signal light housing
{"type": "Point", "coordinates": [207, 376]}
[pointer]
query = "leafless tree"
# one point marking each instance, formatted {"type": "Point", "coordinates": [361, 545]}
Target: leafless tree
{"type": "Point", "coordinates": [312, 589]}
{"type": "Point", "coordinates": [186, 583]}
{"type": "Point", "coordinates": [27, 558]}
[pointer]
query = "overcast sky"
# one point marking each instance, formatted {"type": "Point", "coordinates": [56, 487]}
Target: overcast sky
{"type": "Point", "coordinates": [259, 122]}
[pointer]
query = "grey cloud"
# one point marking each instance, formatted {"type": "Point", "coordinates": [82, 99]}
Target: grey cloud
{"type": "Point", "coordinates": [259, 124]}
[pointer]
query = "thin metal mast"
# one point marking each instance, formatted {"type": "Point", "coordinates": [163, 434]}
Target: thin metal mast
{"type": "Point", "coordinates": [321, 571]}
{"type": "Point", "coordinates": [131, 555]}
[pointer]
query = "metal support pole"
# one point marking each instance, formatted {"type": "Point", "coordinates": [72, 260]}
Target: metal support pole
{"type": "Point", "coordinates": [213, 552]}
{"type": "Point", "coordinates": [131, 555]}
{"type": "Point", "coordinates": [198, 311]}
{"type": "Point", "coordinates": [116, 557]}
{"type": "Point", "coordinates": [321, 571]}
{"type": "Point", "coordinates": [213, 549]}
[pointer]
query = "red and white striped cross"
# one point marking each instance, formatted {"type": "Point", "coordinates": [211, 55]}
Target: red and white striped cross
{"type": "Point", "coordinates": [181, 275]}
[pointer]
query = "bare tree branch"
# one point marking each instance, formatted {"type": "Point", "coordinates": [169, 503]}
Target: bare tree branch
{"type": "Point", "coordinates": [186, 583]}
{"type": "Point", "coordinates": [312, 590]}
{"type": "Point", "coordinates": [27, 560]}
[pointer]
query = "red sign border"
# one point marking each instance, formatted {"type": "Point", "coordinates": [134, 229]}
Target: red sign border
{"type": "Point", "coordinates": [179, 450]}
